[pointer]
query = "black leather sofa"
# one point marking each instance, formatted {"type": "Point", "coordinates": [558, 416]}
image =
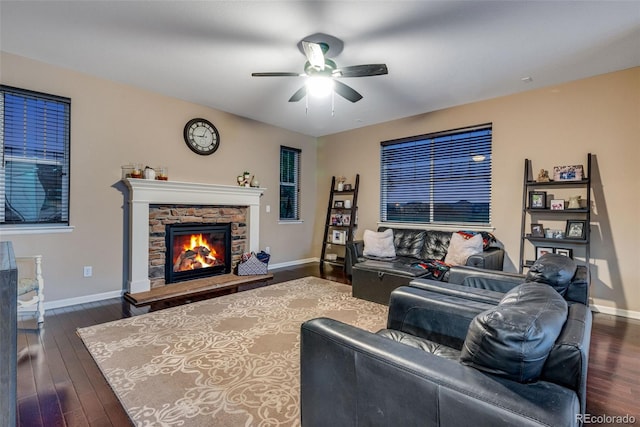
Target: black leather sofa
{"type": "Point", "coordinates": [374, 279]}
{"type": "Point", "coordinates": [448, 360]}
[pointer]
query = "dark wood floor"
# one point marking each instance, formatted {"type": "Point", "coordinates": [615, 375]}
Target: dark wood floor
{"type": "Point", "coordinates": [59, 384]}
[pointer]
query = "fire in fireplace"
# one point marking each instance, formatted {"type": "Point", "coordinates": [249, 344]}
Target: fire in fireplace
{"type": "Point", "coordinates": [197, 250]}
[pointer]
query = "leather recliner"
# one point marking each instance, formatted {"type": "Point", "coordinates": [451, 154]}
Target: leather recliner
{"type": "Point", "coordinates": [447, 360]}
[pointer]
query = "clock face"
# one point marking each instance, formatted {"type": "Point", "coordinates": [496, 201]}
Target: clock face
{"type": "Point", "coordinates": [201, 136]}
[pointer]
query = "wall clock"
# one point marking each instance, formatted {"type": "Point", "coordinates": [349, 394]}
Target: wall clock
{"type": "Point", "coordinates": [201, 136]}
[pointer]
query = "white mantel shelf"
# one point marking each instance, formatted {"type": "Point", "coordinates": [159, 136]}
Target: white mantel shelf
{"type": "Point", "coordinates": [143, 192]}
{"type": "Point", "coordinates": [193, 193]}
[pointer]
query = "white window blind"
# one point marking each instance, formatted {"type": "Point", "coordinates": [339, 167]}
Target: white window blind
{"type": "Point", "coordinates": [443, 177]}
{"type": "Point", "coordinates": [289, 183]}
{"type": "Point", "coordinates": [34, 173]}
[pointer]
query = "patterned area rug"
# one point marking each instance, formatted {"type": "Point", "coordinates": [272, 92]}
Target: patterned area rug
{"type": "Point", "coordinates": [228, 361]}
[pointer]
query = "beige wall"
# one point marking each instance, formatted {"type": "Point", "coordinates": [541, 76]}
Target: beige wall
{"type": "Point", "coordinates": [551, 126]}
{"type": "Point", "coordinates": [114, 124]}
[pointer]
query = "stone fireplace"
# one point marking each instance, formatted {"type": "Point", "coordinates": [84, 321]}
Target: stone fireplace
{"type": "Point", "coordinates": [155, 205]}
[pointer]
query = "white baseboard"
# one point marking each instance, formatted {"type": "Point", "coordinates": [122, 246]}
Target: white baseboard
{"type": "Point", "coordinates": [292, 263]}
{"type": "Point", "coordinates": [49, 305]}
{"type": "Point", "coordinates": [631, 314]}
{"type": "Point", "coordinates": [616, 311]}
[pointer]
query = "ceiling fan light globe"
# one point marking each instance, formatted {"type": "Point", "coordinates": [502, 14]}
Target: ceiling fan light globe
{"type": "Point", "coordinates": [319, 86]}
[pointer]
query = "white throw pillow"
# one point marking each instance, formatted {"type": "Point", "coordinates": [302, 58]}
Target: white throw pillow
{"type": "Point", "coordinates": [379, 244]}
{"type": "Point", "coordinates": [460, 248]}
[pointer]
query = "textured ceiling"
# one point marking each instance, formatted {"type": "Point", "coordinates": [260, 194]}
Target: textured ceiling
{"type": "Point", "coordinates": [439, 53]}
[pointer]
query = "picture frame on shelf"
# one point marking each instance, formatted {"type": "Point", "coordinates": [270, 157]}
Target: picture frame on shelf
{"type": "Point", "coordinates": [347, 187]}
{"type": "Point", "coordinates": [541, 250]}
{"type": "Point", "coordinates": [576, 229]}
{"type": "Point", "coordinates": [537, 230]}
{"type": "Point", "coordinates": [568, 173]}
{"type": "Point", "coordinates": [336, 219]}
{"type": "Point", "coordinates": [346, 219]}
{"type": "Point", "coordinates": [537, 200]}
{"type": "Point", "coordinates": [339, 237]}
{"type": "Point", "coordinates": [564, 251]}
{"type": "Point", "coordinates": [338, 204]}
{"type": "Point", "coordinates": [556, 205]}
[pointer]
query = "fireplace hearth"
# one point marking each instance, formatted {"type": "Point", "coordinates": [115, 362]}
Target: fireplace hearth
{"type": "Point", "coordinates": [196, 250]}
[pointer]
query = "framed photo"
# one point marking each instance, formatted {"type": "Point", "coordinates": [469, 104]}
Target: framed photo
{"type": "Point", "coordinates": [346, 219]}
{"type": "Point", "coordinates": [576, 229]}
{"type": "Point", "coordinates": [339, 237]}
{"type": "Point", "coordinates": [567, 173]}
{"type": "Point", "coordinates": [537, 230]}
{"type": "Point", "coordinates": [542, 250]}
{"type": "Point", "coordinates": [564, 251]}
{"type": "Point", "coordinates": [537, 200]}
{"type": "Point", "coordinates": [347, 187]}
{"type": "Point", "coordinates": [557, 204]}
{"type": "Point", "coordinates": [338, 204]}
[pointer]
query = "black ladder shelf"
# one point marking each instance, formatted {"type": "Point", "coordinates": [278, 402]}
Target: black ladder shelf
{"type": "Point", "coordinates": [547, 213]}
{"type": "Point", "coordinates": [340, 224]}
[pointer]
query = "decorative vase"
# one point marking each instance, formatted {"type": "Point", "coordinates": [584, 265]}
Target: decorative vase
{"type": "Point", "coordinates": [340, 186]}
{"type": "Point", "coordinates": [149, 173]}
{"type": "Point", "coordinates": [574, 202]}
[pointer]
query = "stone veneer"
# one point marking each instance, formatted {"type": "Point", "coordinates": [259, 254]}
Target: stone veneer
{"type": "Point", "coordinates": [161, 215]}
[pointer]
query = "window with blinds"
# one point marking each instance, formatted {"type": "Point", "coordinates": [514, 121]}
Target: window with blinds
{"type": "Point", "coordinates": [34, 173]}
{"type": "Point", "coordinates": [289, 183]}
{"type": "Point", "coordinates": [439, 178]}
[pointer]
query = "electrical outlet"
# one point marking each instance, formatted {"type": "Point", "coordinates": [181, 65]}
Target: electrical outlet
{"type": "Point", "coordinates": [87, 271]}
{"type": "Point", "coordinates": [268, 249]}
{"type": "Point", "coordinates": [268, 208]}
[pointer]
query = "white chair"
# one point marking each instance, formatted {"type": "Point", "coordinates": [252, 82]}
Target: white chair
{"type": "Point", "coordinates": [30, 286]}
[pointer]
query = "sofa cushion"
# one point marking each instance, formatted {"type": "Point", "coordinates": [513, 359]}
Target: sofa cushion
{"type": "Point", "coordinates": [513, 339]}
{"type": "Point", "coordinates": [553, 269]}
{"type": "Point", "coordinates": [379, 244]}
{"type": "Point", "coordinates": [461, 248]}
{"type": "Point", "coordinates": [408, 242]}
{"type": "Point", "coordinates": [436, 243]}
{"type": "Point", "coordinates": [421, 343]}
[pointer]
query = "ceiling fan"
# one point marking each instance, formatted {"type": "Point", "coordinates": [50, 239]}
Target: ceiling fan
{"type": "Point", "coordinates": [323, 71]}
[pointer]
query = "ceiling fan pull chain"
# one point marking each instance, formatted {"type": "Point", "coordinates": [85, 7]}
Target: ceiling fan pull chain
{"type": "Point", "coordinates": [333, 104]}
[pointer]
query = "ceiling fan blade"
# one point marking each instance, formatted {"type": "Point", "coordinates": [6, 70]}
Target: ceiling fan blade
{"type": "Point", "coordinates": [300, 93]}
{"type": "Point", "coordinates": [314, 54]}
{"type": "Point", "coordinates": [361, 70]}
{"type": "Point", "coordinates": [346, 92]}
{"type": "Point", "coordinates": [276, 74]}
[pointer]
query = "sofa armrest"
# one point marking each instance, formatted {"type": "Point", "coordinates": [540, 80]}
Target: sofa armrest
{"type": "Point", "coordinates": [434, 316]}
{"type": "Point", "coordinates": [353, 255]}
{"type": "Point", "coordinates": [491, 259]}
{"type": "Point", "coordinates": [459, 291]}
{"type": "Point", "coordinates": [499, 281]}
{"type": "Point", "coordinates": [351, 377]}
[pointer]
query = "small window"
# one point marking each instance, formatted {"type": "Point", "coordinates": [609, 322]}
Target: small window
{"type": "Point", "coordinates": [289, 184]}
{"type": "Point", "coordinates": [440, 178]}
{"type": "Point", "coordinates": [34, 174]}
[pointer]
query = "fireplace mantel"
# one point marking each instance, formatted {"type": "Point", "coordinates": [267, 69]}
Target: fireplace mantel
{"type": "Point", "coordinates": [144, 192]}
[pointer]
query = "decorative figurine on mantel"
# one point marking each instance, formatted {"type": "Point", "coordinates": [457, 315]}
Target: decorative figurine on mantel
{"type": "Point", "coordinates": [543, 176]}
{"type": "Point", "coordinates": [245, 180]}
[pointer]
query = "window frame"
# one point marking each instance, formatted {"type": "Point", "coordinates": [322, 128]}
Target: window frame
{"type": "Point", "coordinates": [424, 166]}
{"type": "Point", "coordinates": [297, 153]}
{"type": "Point", "coordinates": [61, 157]}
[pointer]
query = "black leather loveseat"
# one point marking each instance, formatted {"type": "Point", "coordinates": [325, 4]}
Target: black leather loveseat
{"type": "Point", "coordinates": [448, 360]}
{"type": "Point", "coordinates": [373, 278]}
